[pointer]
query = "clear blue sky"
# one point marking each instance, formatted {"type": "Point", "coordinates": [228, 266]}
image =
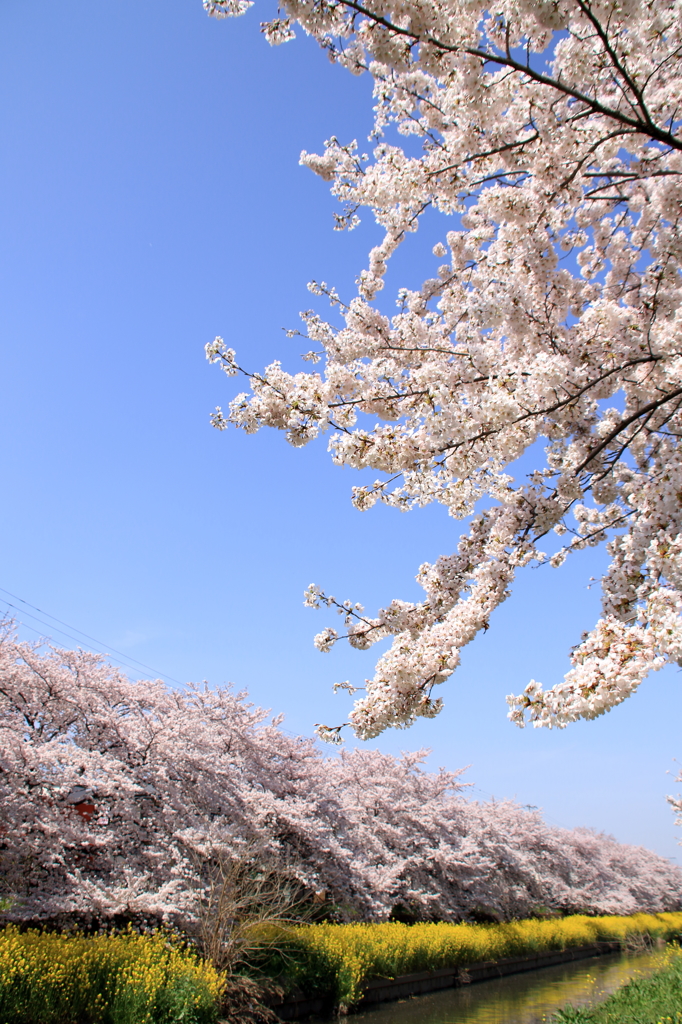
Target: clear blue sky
{"type": "Point", "coordinates": [151, 198]}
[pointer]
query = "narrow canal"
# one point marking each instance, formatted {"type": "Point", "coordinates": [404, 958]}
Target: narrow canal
{"type": "Point", "coordinates": [528, 998]}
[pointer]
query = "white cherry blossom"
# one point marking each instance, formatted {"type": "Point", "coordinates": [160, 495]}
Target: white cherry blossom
{"type": "Point", "coordinates": [547, 132]}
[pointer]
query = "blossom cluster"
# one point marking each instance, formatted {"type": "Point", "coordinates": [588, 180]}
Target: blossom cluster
{"type": "Point", "coordinates": [113, 794]}
{"type": "Point", "coordinates": [548, 134]}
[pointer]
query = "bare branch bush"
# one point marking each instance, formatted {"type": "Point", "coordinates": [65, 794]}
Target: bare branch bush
{"type": "Point", "coordinates": [248, 904]}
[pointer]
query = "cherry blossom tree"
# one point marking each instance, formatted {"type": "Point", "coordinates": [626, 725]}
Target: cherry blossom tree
{"type": "Point", "coordinates": [133, 800]}
{"type": "Point", "coordinates": [114, 792]}
{"type": "Point", "coordinates": [419, 845]}
{"type": "Point", "coordinates": [547, 131]}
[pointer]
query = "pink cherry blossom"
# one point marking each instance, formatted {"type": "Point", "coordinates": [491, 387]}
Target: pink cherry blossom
{"type": "Point", "coordinates": [113, 794]}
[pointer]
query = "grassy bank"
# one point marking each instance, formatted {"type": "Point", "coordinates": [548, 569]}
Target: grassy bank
{"type": "Point", "coordinates": [103, 979]}
{"type": "Point", "coordinates": [652, 1000]}
{"type": "Point", "coordinates": [337, 961]}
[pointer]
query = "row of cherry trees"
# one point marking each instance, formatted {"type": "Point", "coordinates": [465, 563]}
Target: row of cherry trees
{"type": "Point", "coordinates": [113, 794]}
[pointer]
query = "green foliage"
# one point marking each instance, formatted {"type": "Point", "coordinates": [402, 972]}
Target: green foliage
{"type": "Point", "coordinates": [653, 1000]}
{"type": "Point", "coordinates": [49, 978]}
{"type": "Point", "coordinates": [337, 961]}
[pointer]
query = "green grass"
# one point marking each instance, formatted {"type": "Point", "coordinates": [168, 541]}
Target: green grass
{"type": "Point", "coordinates": [653, 1000]}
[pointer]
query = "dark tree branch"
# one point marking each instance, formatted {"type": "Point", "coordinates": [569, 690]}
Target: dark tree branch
{"type": "Point", "coordinates": [646, 410]}
{"type": "Point", "coordinates": [644, 125]}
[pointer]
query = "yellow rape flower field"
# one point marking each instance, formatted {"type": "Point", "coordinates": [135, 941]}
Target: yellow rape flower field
{"type": "Point", "coordinates": [103, 979]}
{"type": "Point", "coordinates": [52, 978]}
{"type": "Point", "coordinates": [340, 959]}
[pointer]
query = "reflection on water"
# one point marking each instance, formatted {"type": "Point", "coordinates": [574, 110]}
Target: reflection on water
{"type": "Point", "coordinates": [517, 999]}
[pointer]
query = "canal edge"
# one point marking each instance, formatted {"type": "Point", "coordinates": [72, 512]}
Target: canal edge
{"type": "Point", "coordinates": [383, 990]}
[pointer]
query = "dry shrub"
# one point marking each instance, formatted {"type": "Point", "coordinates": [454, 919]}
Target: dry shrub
{"type": "Point", "coordinates": [247, 903]}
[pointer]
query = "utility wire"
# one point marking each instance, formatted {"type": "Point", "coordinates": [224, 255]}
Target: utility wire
{"type": "Point", "coordinates": [54, 629]}
{"type": "Point", "coordinates": [125, 659]}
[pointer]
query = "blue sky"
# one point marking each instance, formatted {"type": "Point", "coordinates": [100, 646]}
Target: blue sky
{"type": "Point", "coordinates": [151, 198]}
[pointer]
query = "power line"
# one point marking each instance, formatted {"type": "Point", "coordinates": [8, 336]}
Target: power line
{"type": "Point", "coordinates": [55, 629]}
{"type": "Point", "coordinates": [124, 658]}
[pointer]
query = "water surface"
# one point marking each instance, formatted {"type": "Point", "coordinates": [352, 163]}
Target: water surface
{"type": "Point", "coordinates": [528, 998]}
